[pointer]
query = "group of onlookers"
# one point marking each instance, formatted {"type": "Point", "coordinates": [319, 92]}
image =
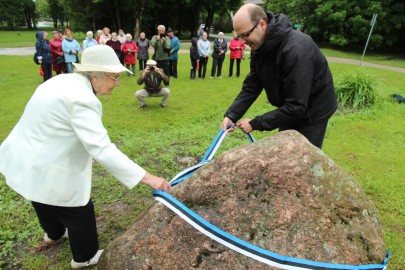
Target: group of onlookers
{"type": "Point", "coordinates": [200, 51]}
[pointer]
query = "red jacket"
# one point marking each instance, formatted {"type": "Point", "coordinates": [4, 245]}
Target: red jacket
{"type": "Point", "coordinates": [236, 47]}
{"type": "Point", "coordinates": [129, 49]}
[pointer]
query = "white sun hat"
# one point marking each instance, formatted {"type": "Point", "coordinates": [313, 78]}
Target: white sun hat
{"type": "Point", "coordinates": [100, 58]}
{"type": "Point", "coordinates": [151, 63]}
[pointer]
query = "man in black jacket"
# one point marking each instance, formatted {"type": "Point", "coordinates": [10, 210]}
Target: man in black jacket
{"type": "Point", "coordinates": [293, 72]}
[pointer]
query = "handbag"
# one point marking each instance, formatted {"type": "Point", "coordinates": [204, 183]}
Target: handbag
{"type": "Point", "coordinates": [60, 60]}
{"type": "Point", "coordinates": [36, 58]}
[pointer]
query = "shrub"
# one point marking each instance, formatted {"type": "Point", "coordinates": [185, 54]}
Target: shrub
{"type": "Point", "coordinates": [357, 90]}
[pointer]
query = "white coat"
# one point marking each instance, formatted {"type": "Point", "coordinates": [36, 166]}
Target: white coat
{"type": "Point", "coordinates": [47, 157]}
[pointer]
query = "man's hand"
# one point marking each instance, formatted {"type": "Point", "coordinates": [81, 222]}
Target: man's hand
{"type": "Point", "coordinates": [245, 126]}
{"type": "Point", "coordinates": [156, 183]}
{"type": "Point", "coordinates": [226, 123]}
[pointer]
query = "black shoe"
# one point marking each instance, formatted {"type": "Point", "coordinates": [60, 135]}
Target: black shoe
{"type": "Point", "coordinates": [163, 106]}
{"type": "Point", "coordinates": [142, 106]}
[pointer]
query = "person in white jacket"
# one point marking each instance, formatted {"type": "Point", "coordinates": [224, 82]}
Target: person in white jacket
{"type": "Point", "coordinates": [48, 156]}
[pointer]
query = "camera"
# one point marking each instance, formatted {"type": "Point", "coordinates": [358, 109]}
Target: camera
{"type": "Point", "coordinates": [151, 68]}
{"type": "Point", "coordinates": [162, 35]}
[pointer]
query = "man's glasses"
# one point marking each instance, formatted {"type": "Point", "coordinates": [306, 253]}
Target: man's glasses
{"type": "Point", "coordinates": [248, 33]}
{"type": "Point", "coordinates": [115, 79]}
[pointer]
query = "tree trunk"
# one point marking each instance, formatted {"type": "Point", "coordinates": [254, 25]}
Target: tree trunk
{"type": "Point", "coordinates": [138, 11]}
{"type": "Point", "coordinates": [118, 16]}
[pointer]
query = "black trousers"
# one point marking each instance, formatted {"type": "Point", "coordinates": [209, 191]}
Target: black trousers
{"type": "Point", "coordinates": [80, 223]}
{"type": "Point", "coordinates": [314, 133]}
{"type": "Point", "coordinates": [237, 67]}
{"type": "Point", "coordinates": [203, 67]}
{"type": "Point", "coordinates": [173, 67]}
{"type": "Point", "coordinates": [164, 64]}
{"type": "Point", "coordinates": [142, 64]}
{"type": "Point", "coordinates": [47, 68]}
{"type": "Point", "coordinates": [217, 61]}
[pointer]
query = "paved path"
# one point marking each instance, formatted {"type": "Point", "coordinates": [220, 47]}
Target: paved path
{"type": "Point", "coordinates": [31, 50]}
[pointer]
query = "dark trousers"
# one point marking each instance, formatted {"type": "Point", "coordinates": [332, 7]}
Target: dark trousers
{"type": "Point", "coordinates": [193, 69]}
{"type": "Point", "coordinates": [164, 64]}
{"type": "Point", "coordinates": [203, 67]}
{"type": "Point", "coordinates": [314, 133]}
{"type": "Point", "coordinates": [217, 61]}
{"type": "Point", "coordinates": [237, 67]}
{"type": "Point", "coordinates": [142, 64]}
{"type": "Point", "coordinates": [173, 67]}
{"type": "Point", "coordinates": [47, 68]}
{"type": "Point", "coordinates": [129, 66]}
{"type": "Point", "coordinates": [80, 223]}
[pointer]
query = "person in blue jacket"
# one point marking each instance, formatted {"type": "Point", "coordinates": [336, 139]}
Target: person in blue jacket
{"type": "Point", "coordinates": [71, 48]}
{"type": "Point", "coordinates": [173, 54]}
{"type": "Point", "coordinates": [44, 55]}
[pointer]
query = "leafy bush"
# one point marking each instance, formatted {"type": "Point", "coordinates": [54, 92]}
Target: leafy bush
{"type": "Point", "coordinates": [357, 90]}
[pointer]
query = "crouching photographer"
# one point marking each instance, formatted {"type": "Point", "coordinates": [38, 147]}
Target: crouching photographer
{"type": "Point", "coordinates": [152, 77]}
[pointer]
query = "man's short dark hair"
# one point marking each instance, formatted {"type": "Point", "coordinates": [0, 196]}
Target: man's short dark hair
{"type": "Point", "coordinates": [257, 14]}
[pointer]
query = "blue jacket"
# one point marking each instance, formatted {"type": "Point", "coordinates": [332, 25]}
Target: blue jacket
{"type": "Point", "coordinates": [89, 43]}
{"type": "Point", "coordinates": [67, 47]}
{"type": "Point", "coordinates": [204, 47]}
{"type": "Point", "coordinates": [175, 45]}
{"type": "Point", "coordinates": [42, 49]}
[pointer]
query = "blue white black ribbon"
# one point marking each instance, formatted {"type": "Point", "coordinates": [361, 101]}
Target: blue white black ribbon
{"type": "Point", "coordinates": [236, 244]}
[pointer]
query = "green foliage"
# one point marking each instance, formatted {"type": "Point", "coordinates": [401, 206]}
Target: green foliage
{"type": "Point", "coordinates": [356, 90]}
{"type": "Point", "coordinates": [347, 23]}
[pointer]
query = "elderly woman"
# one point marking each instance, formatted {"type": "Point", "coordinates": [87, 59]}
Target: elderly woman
{"type": "Point", "coordinates": [44, 54]}
{"type": "Point", "coordinates": [57, 53]}
{"type": "Point", "coordinates": [99, 34]}
{"type": "Point", "coordinates": [143, 50]}
{"type": "Point", "coordinates": [129, 49]}
{"type": "Point", "coordinates": [89, 41]}
{"type": "Point", "coordinates": [71, 50]}
{"type": "Point", "coordinates": [48, 156]}
{"type": "Point", "coordinates": [115, 44]}
{"type": "Point", "coordinates": [218, 55]}
{"type": "Point", "coordinates": [236, 47]}
{"type": "Point", "coordinates": [106, 36]}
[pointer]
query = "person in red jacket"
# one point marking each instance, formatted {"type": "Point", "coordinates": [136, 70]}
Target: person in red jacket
{"type": "Point", "coordinates": [236, 47]}
{"type": "Point", "coordinates": [56, 50]}
{"type": "Point", "coordinates": [129, 49]}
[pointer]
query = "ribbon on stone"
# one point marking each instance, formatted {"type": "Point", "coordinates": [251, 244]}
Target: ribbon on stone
{"type": "Point", "coordinates": [236, 244]}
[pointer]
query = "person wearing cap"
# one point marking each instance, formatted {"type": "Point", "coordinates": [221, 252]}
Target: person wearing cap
{"type": "Point", "coordinates": [173, 54]}
{"type": "Point", "coordinates": [161, 44]}
{"type": "Point", "coordinates": [291, 69]}
{"type": "Point", "coordinates": [152, 77]}
{"type": "Point", "coordinates": [47, 158]}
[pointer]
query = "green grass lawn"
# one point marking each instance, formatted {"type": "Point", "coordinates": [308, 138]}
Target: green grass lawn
{"type": "Point", "coordinates": [369, 144]}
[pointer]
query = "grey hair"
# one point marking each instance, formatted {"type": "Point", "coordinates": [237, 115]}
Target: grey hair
{"type": "Point", "coordinates": [161, 27]}
{"type": "Point", "coordinates": [128, 35]}
{"type": "Point", "coordinates": [89, 33]}
{"type": "Point", "coordinates": [90, 74]}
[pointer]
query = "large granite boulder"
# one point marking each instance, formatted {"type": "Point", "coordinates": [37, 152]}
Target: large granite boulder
{"type": "Point", "coordinates": [280, 193]}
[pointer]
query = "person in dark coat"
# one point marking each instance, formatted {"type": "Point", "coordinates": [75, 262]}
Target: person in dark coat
{"type": "Point", "coordinates": [291, 69]}
{"type": "Point", "coordinates": [44, 55]}
{"type": "Point", "coordinates": [218, 55]}
{"type": "Point", "coordinates": [194, 57]}
{"type": "Point", "coordinates": [143, 50]}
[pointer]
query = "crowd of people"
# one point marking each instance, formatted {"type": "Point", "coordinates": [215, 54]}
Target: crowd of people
{"type": "Point", "coordinates": [63, 49]}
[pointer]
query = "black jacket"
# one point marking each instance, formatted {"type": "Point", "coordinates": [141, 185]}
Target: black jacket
{"type": "Point", "coordinates": [295, 75]}
{"type": "Point", "coordinates": [194, 56]}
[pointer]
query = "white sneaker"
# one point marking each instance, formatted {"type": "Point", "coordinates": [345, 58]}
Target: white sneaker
{"type": "Point", "coordinates": [92, 261]}
{"type": "Point", "coordinates": [220, 77]}
{"type": "Point", "coordinates": [211, 77]}
{"type": "Point", "coordinates": [50, 241]}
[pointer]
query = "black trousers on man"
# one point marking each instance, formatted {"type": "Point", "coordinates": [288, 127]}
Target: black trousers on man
{"type": "Point", "coordinates": [142, 64]}
{"type": "Point", "coordinates": [314, 133]}
{"type": "Point", "coordinates": [173, 67]}
{"type": "Point", "coordinates": [80, 223]}
{"type": "Point", "coordinates": [164, 64]}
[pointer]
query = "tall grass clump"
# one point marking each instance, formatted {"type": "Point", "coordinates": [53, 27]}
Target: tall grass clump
{"type": "Point", "coordinates": [356, 90]}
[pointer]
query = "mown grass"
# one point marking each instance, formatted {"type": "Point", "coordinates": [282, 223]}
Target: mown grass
{"type": "Point", "coordinates": [368, 144]}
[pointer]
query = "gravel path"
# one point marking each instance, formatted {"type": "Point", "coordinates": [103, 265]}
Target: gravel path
{"type": "Point", "coordinates": [31, 50]}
